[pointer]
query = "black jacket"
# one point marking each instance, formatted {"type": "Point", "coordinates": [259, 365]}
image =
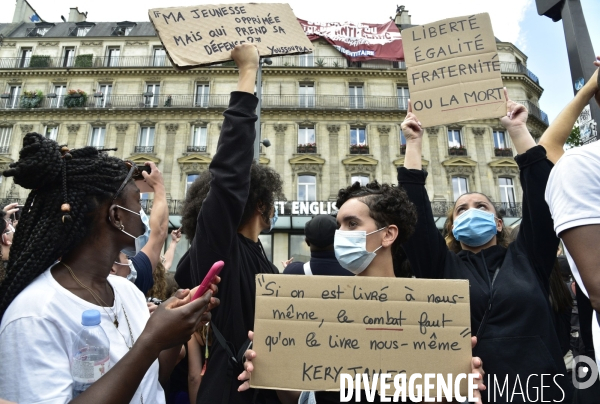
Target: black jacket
{"type": "Point", "coordinates": [519, 338]}
{"type": "Point", "coordinates": [217, 239]}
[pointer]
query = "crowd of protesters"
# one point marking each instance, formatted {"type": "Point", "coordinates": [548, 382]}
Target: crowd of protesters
{"type": "Point", "coordinates": [83, 241]}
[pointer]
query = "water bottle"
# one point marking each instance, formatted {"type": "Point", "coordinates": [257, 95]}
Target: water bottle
{"type": "Point", "coordinates": [90, 353]}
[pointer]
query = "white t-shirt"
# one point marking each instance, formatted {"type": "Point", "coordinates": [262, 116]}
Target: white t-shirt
{"type": "Point", "coordinates": [573, 195]}
{"type": "Point", "coordinates": [37, 334]}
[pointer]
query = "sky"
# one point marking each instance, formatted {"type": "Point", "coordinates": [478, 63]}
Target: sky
{"type": "Point", "coordinates": [513, 21]}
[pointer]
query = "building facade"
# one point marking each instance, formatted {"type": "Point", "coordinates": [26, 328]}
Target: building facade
{"type": "Point", "coordinates": [329, 122]}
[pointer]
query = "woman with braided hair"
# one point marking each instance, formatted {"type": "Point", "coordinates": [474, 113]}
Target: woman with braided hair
{"type": "Point", "coordinates": [82, 211]}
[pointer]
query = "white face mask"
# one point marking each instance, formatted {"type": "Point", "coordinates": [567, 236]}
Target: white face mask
{"type": "Point", "coordinates": [351, 250]}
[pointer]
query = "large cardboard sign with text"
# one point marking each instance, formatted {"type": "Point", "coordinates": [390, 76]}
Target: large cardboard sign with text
{"type": "Point", "coordinates": [206, 34]}
{"type": "Point", "coordinates": [308, 330]}
{"type": "Point", "coordinates": [453, 70]}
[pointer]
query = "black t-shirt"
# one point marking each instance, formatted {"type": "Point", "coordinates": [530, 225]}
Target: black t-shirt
{"type": "Point", "coordinates": [321, 263]}
{"type": "Point", "coordinates": [217, 239]}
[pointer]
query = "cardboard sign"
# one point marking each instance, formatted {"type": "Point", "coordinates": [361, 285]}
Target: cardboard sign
{"type": "Point", "coordinates": [310, 329]}
{"type": "Point", "coordinates": [206, 34]}
{"type": "Point", "coordinates": [453, 70]}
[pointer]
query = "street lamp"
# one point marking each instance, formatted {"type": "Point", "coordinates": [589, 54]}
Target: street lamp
{"type": "Point", "coordinates": [257, 141]}
{"type": "Point", "coordinates": [579, 44]}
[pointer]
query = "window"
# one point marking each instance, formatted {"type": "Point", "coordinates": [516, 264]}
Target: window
{"type": "Point", "coordinates": [68, 57]}
{"type": "Point", "coordinates": [97, 138]}
{"type": "Point", "coordinates": [362, 179]}
{"type": "Point", "coordinates": [151, 95]}
{"type": "Point", "coordinates": [454, 138]}
{"type": "Point", "coordinates": [104, 100]}
{"type": "Point", "coordinates": [14, 92]}
{"type": "Point", "coordinates": [199, 135]}
{"type": "Point", "coordinates": [307, 60]}
{"type": "Point", "coordinates": [356, 94]}
{"type": "Point", "coordinates": [298, 248]}
{"type": "Point", "coordinates": [459, 186]}
{"type": "Point", "coordinates": [160, 57]}
{"type": "Point", "coordinates": [306, 94]}
{"type": "Point", "coordinates": [403, 96]}
{"type": "Point", "coordinates": [25, 57]}
{"type": "Point", "coordinates": [145, 140]}
{"type": "Point", "coordinates": [37, 31]}
{"type": "Point", "coordinates": [358, 137]}
{"type": "Point", "coordinates": [79, 31]}
{"type": "Point", "coordinates": [500, 140]}
{"type": "Point", "coordinates": [267, 242]}
{"type": "Point", "coordinates": [112, 57]}
{"type": "Point", "coordinates": [307, 188]}
{"type": "Point", "coordinates": [60, 91]}
{"type": "Point", "coordinates": [121, 31]}
{"type": "Point", "coordinates": [51, 132]}
{"type": "Point", "coordinates": [507, 191]}
{"type": "Point", "coordinates": [202, 91]}
{"type": "Point", "coordinates": [190, 180]}
{"type": "Point", "coordinates": [306, 135]}
{"type": "Point", "coordinates": [5, 133]}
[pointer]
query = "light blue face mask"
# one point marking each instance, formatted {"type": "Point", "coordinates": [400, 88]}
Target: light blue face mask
{"type": "Point", "coordinates": [474, 227]}
{"type": "Point", "coordinates": [274, 220]}
{"type": "Point", "coordinates": [351, 250]}
{"type": "Point", "coordinates": [141, 240]}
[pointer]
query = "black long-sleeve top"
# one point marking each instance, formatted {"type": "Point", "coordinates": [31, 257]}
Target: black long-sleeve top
{"type": "Point", "coordinates": [217, 238]}
{"type": "Point", "coordinates": [519, 336]}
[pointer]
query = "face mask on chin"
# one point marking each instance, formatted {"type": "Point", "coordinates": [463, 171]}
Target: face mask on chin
{"type": "Point", "coordinates": [142, 239]}
{"type": "Point", "coordinates": [351, 250]}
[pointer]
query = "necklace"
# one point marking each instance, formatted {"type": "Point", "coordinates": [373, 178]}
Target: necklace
{"type": "Point", "coordinates": [97, 298]}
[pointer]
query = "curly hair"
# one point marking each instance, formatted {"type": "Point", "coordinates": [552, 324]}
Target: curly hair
{"type": "Point", "coordinates": [159, 289]}
{"type": "Point", "coordinates": [85, 178]}
{"type": "Point", "coordinates": [266, 187]}
{"type": "Point", "coordinates": [502, 238]}
{"type": "Point", "coordinates": [388, 204]}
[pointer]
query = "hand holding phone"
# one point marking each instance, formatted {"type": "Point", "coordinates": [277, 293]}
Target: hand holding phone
{"type": "Point", "coordinates": [208, 279]}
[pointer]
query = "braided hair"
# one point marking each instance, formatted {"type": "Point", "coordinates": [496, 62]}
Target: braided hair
{"type": "Point", "coordinates": [82, 178]}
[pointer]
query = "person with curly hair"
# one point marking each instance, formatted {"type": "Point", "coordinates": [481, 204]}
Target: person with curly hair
{"type": "Point", "coordinates": [374, 220]}
{"type": "Point", "coordinates": [511, 314]}
{"type": "Point", "coordinates": [81, 212]}
{"type": "Point", "coordinates": [231, 205]}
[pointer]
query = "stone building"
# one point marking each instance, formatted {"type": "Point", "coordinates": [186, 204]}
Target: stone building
{"type": "Point", "coordinates": [330, 122]}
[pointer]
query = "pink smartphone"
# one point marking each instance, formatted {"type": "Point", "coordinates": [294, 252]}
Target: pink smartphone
{"type": "Point", "coordinates": [214, 271]}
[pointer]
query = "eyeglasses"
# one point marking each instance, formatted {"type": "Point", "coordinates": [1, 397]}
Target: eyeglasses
{"type": "Point", "coordinates": [134, 172]}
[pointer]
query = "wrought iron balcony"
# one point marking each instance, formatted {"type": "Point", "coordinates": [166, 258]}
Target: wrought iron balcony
{"type": "Point", "coordinates": [535, 111]}
{"type": "Point", "coordinates": [506, 209]}
{"type": "Point", "coordinates": [457, 151]}
{"type": "Point", "coordinates": [196, 149]}
{"type": "Point", "coordinates": [144, 149]}
{"type": "Point", "coordinates": [503, 152]}
{"type": "Point", "coordinates": [359, 149]}
{"type": "Point", "coordinates": [173, 204]}
{"type": "Point", "coordinates": [220, 101]}
{"type": "Point", "coordinates": [508, 67]}
{"type": "Point", "coordinates": [307, 148]}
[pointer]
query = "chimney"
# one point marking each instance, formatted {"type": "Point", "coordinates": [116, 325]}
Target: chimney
{"type": "Point", "coordinates": [76, 16]}
{"type": "Point", "coordinates": [402, 16]}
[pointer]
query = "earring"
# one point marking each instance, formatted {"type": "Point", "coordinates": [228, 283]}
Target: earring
{"type": "Point", "coordinates": [122, 227]}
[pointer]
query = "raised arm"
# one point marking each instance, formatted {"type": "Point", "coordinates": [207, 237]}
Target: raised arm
{"type": "Point", "coordinates": [170, 253]}
{"type": "Point", "coordinates": [223, 207]}
{"type": "Point", "coordinates": [159, 219]}
{"type": "Point", "coordinates": [556, 135]}
{"type": "Point", "coordinates": [536, 235]}
{"type": "Point", "coordinates": [426, 249]}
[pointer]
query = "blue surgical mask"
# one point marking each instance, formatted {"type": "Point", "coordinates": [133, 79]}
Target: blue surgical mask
{"type": "Point", "coordinates": [351, 250]}
{"type": "Point", "coordinates": [274, 220]}
{"type": "Point", "coordinates": [141, 240]}
{"type": "Point", "coordinates": [474, 227]}
{"type": "Point", "coordinates": [132, 275]}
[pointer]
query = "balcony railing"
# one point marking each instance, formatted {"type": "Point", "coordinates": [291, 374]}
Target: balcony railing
{"type": "Point", "coordinates": [173, 204]}
{"type": "Point", "coordinates": [196, 149]}
{"type": "Point", "coordinates": [220, 101]}
{"type": "Point", "coordinates": [4, 149]}
{"type": "Point", "coordinates": [306, 148]}
{"type": "Point", "coordinates": [356, 149]}
{"type": "Point", "coordinates": [535, 110]}
{"type": "Point", "coordinates": [508, 67]}
{"type": "Point", "coordinates": [506, 209]}
{"type": "Point", "coordinates": [503, 152]}
{"type": "Point", "coordinates": [144, 149]}
{"type": "Point", "coordinates": [457, 151]}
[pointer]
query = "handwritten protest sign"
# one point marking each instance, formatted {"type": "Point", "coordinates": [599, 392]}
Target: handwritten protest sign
{"type": "Point", "coordinates": [308, 330]}
{"type": "Point", "coordinates": [206, 34]}
{"type": "Point", "coordinates": [453, 70]}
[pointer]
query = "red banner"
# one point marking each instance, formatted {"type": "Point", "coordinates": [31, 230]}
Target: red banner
{"type": "Point", "coordinates": [359, 42]}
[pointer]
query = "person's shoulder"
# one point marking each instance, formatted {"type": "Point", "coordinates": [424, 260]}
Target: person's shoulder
{"type": "Point", "coordinates": [294, 268]}
{"type": "Point", "coordinates": [140, 259]}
